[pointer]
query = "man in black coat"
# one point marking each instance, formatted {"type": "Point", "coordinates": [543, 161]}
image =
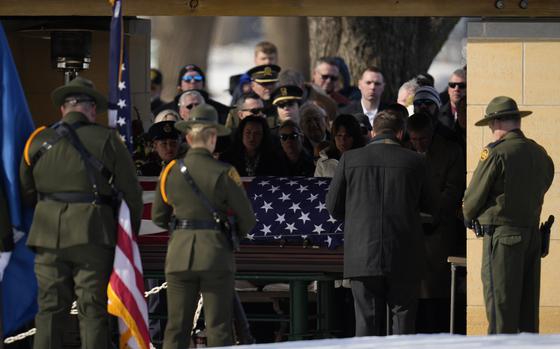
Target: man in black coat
{"type": "Point", "coordinates": [379, 191]}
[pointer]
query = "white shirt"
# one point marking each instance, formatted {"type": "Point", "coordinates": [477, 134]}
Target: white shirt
{"type": "Point", "coordinates": [370, 113]}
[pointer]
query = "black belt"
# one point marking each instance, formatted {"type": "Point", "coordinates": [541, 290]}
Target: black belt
{"type": "Point", "coordinates": [76, 197]}
{"type": "Point", "coordinates": [194, 224]}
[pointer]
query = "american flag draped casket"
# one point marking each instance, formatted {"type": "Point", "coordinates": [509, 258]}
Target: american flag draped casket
{"type": "Point", "coordinates": [287, 209]}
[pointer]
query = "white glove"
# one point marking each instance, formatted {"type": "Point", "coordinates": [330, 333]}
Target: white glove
{"type": "Point", "coordinates": [4, 260]}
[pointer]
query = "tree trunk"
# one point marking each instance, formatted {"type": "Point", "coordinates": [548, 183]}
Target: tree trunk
{"type": "Point", "coordinates": [182, 41]}
{"type": "Point", "coordinates": [400, 47]}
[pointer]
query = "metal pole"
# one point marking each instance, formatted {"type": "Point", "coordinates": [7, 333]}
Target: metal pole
{"type": "Point", "coordinates": [452, 305]}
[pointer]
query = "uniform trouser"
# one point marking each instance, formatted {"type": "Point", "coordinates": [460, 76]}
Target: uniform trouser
{"type": "Point", "coordinates": [80, 272]}
{"type": "Point", "coordinates": [511, 269]}
{"type": "Point", "coordinates": [183, 290]}
{"type": "Point", "coordinates": [371, 296]}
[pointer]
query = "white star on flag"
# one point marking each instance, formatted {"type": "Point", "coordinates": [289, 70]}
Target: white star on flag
{"type": "Point", "coordinates": [122, 85]}
{"type": "Point", "coordinates": [318, 229]}
{"type": "Point", "coordinates": [321, 182]}
{"type": "Point", "coordinates": [277, 237]}
{"type": "Point", "coordinates": [292, 183]}
{"type": "Point", "coordinates": [273, 189]}
{"type": "Point", "coordinates": [313, 197]}
{"type": "Point", "coordinates": [121, 103]}
{"type": "Point", "coordinates": [256, 196]}
{"type": "Point", "coordinates": [291, 227]}
{"type": "Point", "coordinates": [339, 228]}
{"type": "Point", "coordinates": [302, 188]}
{"type": "Point", "coordinates": [267, 206]}
{"type": "Point", "coordinates": [121, 121]}
{"type": "Point", "coordinates": [284, 197]}
{"type": "Point", "coordinates": [266, 229]}
{"type": "Point", "coordinates": [328, 241]}
{"type": "Point", "coordinates": [321, 206]}
{"type": "Point", "coordinates": [304, 217]}
{"type": "Point", "coordinates": [251, 236]}
{"type": "Point", "coordinates": [280, 218]}
{"type": "Point", "coordinates": [263, 183]}
{"type": "Point", "coordinates": [295, 207]}
{"type": "Point", "coordinates": [331, 219]}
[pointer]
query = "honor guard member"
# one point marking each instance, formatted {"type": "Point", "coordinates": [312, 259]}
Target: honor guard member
{"type": "Point", "coordinates": [264, 80]}
{"type": "Point", "coordinates": [504, 201]}
{"type": "Point", "coordinates": [200, 256]}
{"type": "Point", "coordinates": [76, 171]}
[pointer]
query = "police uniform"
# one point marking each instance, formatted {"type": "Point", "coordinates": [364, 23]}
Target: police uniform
{"type": "Point", "coordinates": [73, 230]}
{"type": "Point", "coordinates": [266, 74]}
{"type": "Point", "coordinates": [199, 256]}
{"type": "Point", "coordinates": [158, 131]}
{"type": "Point", "coordinates": [282, 94]}
{"type": "Point", "coordinates": [506, 195]}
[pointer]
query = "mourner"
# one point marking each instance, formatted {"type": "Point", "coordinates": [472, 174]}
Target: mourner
{"type": "Point", "coordinates": [75, 171]}
{"type": "Point", "coordinates": [193, 198]}
{"type": "Point", "coordinates": [379, 191]}
{"type": "Point", "coordinates": [503, 202]}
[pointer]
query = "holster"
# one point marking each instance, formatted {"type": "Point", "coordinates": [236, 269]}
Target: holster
{"type": "Point", "coordinates": [545, 237]}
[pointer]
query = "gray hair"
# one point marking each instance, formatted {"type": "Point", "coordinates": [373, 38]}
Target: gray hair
{"type": "Point", "coordinates": [410, 86]}
{"type": "Point", "coordinates": [191, 93]}
{"type": "Point", "coordinates": [460, 73]}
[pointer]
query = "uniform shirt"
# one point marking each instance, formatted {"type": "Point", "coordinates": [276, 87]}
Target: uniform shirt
{"type": "Point", "coordinates": [61, 169]}
{"type": "Point", "coordinates": [509, 183]}
{"type": "Point", "coordinates": [220, 183]}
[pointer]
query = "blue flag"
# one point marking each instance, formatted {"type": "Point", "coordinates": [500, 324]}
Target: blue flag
{"type": "Point", "coordinates": [19, 286]}
{"type": "Point", "coordinates": [119, 86]}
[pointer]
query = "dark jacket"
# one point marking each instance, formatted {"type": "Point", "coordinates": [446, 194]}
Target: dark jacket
{"type": "Point", "coordinates": [355, 107]}
{"type": "Point", "coordinates": [303, 167]}
{"type": "Point", "coordinates": [379, 190]}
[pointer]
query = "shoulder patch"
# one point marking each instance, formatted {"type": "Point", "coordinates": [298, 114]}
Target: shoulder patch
{"type": "Point", "coordinates": [232, 173]}
{"type": "Point", "coordinates": [28, 144]}
{"type": "Point", "coordinates": [163, 179]}
{"type": "Point", "coordinates": [484, 154]}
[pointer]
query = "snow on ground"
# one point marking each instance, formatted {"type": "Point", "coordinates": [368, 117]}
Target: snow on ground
{"type": "Point", "coordinates": [424, 341]}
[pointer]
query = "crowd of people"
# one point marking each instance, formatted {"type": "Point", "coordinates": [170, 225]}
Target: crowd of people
{"type": "Point", "coordinates": [389, 160]}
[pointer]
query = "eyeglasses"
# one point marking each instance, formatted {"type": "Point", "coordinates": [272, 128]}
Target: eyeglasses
{"type": "Point", "coordinates": [426, 102]}
{"type": "Point", "coordinates": [285, 136]}
{"type": "Point", "coordinates": [327, 77]}
{"type": "Point", "coordinates": [287, 104]}
{"type": "Point", "coordinates": [255, 111]}
{"type": "Point", "coordinates": [460, 85]}
{"type": "Point", "coordinates": [190, 106]}
{"type": "Point", "coordinates": [192, 78]}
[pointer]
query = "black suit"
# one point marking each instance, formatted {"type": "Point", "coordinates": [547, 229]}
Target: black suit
{"type": "Point", "coordinates": [380, 190]}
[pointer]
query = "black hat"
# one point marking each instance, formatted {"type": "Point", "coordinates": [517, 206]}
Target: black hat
{"type": "Point", "coordinates": [363, 120]}
{"type": "Point", "coordinates": [187, 68]}
{"type": "Point", "coordinates": [264, 73]}
{"type": "Point", "coordinates": [155, 76]}
{"type": "Point", "coordinates": [286, 93]}
{"type": "Point", "coordinates": [163, 130]}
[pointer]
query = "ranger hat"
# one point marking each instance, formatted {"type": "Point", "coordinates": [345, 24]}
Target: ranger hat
{"type": "Point", "coordinates": [79, 86]}
{"type": "Point", "coordinates": [286, 93]}
{"type": "Point", "coordinates": [263, 74]}
{"type": "Point", "coordinates": [163, 130]}
{"type": "Point", "coordinates": [203, 114]}
{"type": "Point", "coordinates": [502, 107]}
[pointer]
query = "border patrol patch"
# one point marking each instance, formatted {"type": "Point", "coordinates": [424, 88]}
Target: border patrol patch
{"type": "Point", "coordinates": [484, 154]}
{"type": "Point", "coordinates": [232, 173]}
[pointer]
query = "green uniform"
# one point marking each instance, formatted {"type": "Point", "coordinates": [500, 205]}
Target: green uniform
{"type": "Point", "coordinates": [507, 191]}
{"type": "Point", "coordinates": [200, 260]}
{"type": "Point", "coordinates": [75, 241]}
{"type": "Point", "coordinates": [6, 236]}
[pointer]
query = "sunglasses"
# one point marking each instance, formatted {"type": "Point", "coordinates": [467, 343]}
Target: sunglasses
{"type": "Point", "coordinates": [190, 106]}
{"type": "Point", "coordinates": [283, 105]}
{"type": "Point", "coordinates": [192, 78]}
{"type": "Point", "coordinates": [460, 85]}
{"type": "Point", "coordinates": [426, 102]}
{"type": "Point", "coordinates": [327, 77]}
{"type": "Point", "coordinates": [285, 136]}
{"type": "Point", "coordinates": [255, 111]}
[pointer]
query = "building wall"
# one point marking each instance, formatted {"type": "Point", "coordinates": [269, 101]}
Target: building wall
{"type": "Point", "coordinates": [520, 60]}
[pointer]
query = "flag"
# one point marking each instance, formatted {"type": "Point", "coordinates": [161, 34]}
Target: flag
{"type": "Point", "coordinates": [293, 209]}
{"type": "Point", "coordinates": [119, 87]}
{"type": "Point", "coordinates": [126, 288]}
{"type": "Point", "coordinates": [19, 285]}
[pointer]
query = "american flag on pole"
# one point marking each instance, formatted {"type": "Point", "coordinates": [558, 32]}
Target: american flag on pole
{"type": "Point", "coordinates": [126, 285]}
{"type": "Point", "coordinates": [126, 288]}
{"type": "Point", "coordinates": [119, 87]}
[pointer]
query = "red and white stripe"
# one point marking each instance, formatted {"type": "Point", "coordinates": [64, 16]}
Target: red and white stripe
{"type": "Point", "coordinates": [126, 288]}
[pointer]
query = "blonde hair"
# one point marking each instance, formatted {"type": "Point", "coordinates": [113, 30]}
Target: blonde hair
{"type": "Point", "coordinates": [201, 134]}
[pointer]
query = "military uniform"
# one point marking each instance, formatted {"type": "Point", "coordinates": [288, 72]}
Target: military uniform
{"type": "Point", "coordinates": [506, 195]}
{"type": "Point", "coordinates": [75, 241]}
{"type": "Point", "coordinates": [200, 260]}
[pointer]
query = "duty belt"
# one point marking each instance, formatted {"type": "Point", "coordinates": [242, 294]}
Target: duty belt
{"type": "Point", "coordinates": [194, 224]}
{"type": "Point", "coordinates": [76, 197]}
